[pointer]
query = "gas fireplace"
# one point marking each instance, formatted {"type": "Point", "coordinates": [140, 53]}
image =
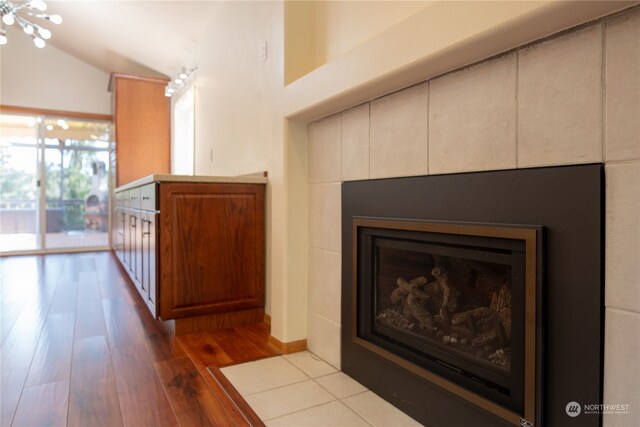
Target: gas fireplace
{"type": "Point", "coordinates": [455, 300]}
{"type": "Point", "coordinates": [476, 299]}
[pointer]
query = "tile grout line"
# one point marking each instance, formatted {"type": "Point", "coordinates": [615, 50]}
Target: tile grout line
{"type": "Point", "coordinates": [428, 125]}
{"type": "Point", "coordinates": [340, 149]}
{"type": "Point", "coordinates": [623, 162]}
{"type": "Point", "coordinates": [340, 398]}
{"type": "Point", "coordinates": [314, 379]}
{"type": "Point", "coordinates": [621, 309]}
{"type": "Point", "coordinates": [324, 249]}
{"type": "Point", "coordinates": [369, 139]}
{"type": "Point", "coordinates": [603, 98]}
{"type": "Point", "coordinates": [334, 397]}
{"type": "Point", "coordinates": [517, 105]}
{"type": "Point", "coordinates": [278, 387]}
{"type": "Point", "coordinates": [318, 405]}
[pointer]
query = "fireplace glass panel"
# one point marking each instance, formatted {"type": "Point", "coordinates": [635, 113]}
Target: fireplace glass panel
{"type": "Point", "coordinates": [451, 303]}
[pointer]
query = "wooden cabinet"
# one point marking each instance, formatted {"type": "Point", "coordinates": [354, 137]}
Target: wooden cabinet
{"type": "Point", "coordinates": [141, 115]}
{"type": "Point", "coordinates": [195, 251]}
{"type": "Point", "coordinates": [135, 221]}
{"type": "Point", "coordinates": [148, 252]}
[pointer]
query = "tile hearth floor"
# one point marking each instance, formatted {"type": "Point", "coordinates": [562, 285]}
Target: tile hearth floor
{"type": "Point", "coordinates": [300, 389]}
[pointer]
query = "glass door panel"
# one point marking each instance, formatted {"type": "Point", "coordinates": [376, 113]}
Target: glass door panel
{"type": "Point", "coordinates": [77, 183]}
{"type": "Point", "coordinates": [19, 178]}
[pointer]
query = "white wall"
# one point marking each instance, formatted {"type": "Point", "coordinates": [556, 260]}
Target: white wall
{"type": "Point", "coordinates": [50, 78]}
{"type": "Point", "coordinates": [237, 111]}
{"type": "Point", "coordinates": [344, 25]}
{"type": "Point", "coordinates": [317, 32]}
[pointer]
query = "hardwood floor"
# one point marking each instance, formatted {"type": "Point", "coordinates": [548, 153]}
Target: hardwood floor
{"type": "Point", "coordinates": [79, 348]}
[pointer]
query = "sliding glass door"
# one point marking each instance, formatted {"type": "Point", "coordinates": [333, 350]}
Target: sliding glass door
{"type": "Point", "coordinates": [62, 198]}
{"type": "Point", "coordinates": [19, 179]}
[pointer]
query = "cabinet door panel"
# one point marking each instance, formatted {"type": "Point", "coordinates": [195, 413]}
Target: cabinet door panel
{"type": "Point", "coordinates": [151, 261]}
{"type": "Point", "coordinates": [127, 239]}
{"type": "Point", "coordinates": [119, 233]}
{"type": "Point", "coordinates": [144, 257]}
{"type": "Point", "coordinates": [212, 248]}
{"type": "Point", "coordinates": [141, 115]}
{"type": "Point", "coordinates": [133, 242]}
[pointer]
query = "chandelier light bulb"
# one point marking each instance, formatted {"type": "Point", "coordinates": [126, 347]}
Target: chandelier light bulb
{"type": "Point", "coordinates": [44, 33]}
{"type": "Point", "coordinates": [27, 14]}
{"type": "Point", "coordinates": [39, 4]}
{"type": "Point", "coordinates": [183, 76]}
{"type": "Point", "coordinates": [8, 19]}
{"type": "Point", "coordinates": [178, 81]}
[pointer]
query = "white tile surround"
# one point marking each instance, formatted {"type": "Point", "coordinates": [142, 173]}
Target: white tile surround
{"type": "Point", "coordinates": [300, 389]}
{"type": "Point", "coordinates": [570, 99]}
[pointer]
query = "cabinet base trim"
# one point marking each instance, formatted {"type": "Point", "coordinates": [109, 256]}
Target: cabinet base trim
{"type": "Point", "coordinates": [215, 321]}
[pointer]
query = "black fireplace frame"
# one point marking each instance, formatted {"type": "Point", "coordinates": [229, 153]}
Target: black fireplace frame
{"type": "Point", "coordinates": [364, 229]}
{"type": "Point", "coordinates": [569, 202]}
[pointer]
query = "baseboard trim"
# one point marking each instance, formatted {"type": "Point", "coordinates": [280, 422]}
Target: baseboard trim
{"type": "Point", "coordinates": [288, 347]}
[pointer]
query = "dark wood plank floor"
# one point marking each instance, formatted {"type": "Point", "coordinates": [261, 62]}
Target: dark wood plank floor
{"type": "Point", "coordinates": [79, 348]}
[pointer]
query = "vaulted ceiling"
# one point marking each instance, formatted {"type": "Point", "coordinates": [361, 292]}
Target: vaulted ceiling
{"type": "Point", "coordinates": [139, 37]}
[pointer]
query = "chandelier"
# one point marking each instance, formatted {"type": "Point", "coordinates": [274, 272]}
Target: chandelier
{"type": "Point", "coordinates": [23, 13]}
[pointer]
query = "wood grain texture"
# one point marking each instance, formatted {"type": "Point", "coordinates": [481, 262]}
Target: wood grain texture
{"type": "Point", "coordinates": [240, 348]}
{"type": "Point", "coordinates": [204, 350]}
{"type": "Point", "coordinates": [141, 117]}
{"type": "Point", "coordinates": [88, 286]}
{"type": "Point", "coordinates": [10, 391]}
{"type": "Point", "coordinates": [91, 358]}
{"type": "Point", "coordinates": [142, 398]}
{"type": "Point", "coordinates": [211, 248]}
{"type": "Point", "coordinates": [104, 350]}
{"type": "Point", "coordinates": [52, 359]}
{"type": "Point", "coordinates": [65, 298]}
{"type": "Point", "coordinates": [89, 318]}
{"type": "Point", "coordinates": [20, 344]}
{"type": "Point", "coordinates": [216, 321]}
{"type": "Point", "coordinates": [43, 405]}
{"type": "Point", "coordinates": [160, 341]}
{"type": "Point", "coordinates": [191, 398]}
{"type": "Point", "coordinates": [123, 327]}
{"type": "Point", "coordinates": [93, 398]}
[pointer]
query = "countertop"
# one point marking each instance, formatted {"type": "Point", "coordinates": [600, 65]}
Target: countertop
{"type": "Point", "coordinates": [248, 179]}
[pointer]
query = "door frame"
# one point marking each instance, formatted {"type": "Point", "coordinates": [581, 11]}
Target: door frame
{"type": "Point", "coordinates": [40, 114]}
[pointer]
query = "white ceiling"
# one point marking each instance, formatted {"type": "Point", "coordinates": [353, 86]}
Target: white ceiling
{"type": "Point", "coordinates": [137, 37]}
